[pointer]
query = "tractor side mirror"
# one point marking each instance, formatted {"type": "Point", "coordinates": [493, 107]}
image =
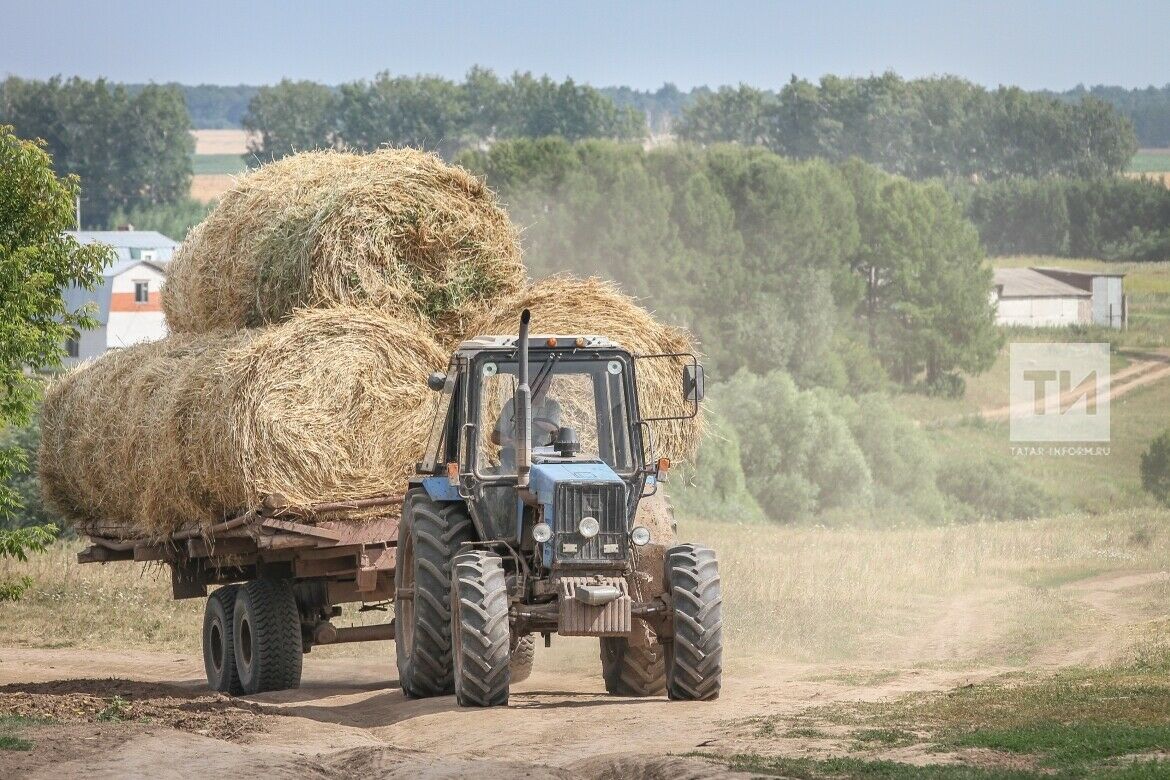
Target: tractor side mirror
{"type": "Point", "coordinates": [436, 381]}
{"type": "Point", "coordinates": [693, 382]}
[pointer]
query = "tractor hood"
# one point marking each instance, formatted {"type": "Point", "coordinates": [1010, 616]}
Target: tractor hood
{"type": "Point", "coordinates": [546, 476]}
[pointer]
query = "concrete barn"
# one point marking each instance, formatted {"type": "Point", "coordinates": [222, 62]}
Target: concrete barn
{"type": "Point", "coordinates": [128, 300]}
{"type": "Point", "coordinates": [1056, 297]}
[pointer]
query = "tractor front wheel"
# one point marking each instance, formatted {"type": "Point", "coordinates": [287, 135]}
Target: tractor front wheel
{"type": "Point", "coordinates": [694, 656]}
{"type": "Point", "coordinates": [480, 630]}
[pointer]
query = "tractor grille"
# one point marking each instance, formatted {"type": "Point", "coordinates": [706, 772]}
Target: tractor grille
{"type": "Point", "coordinates": [607, 503]}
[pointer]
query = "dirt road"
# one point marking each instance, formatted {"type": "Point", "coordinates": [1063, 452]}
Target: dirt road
{"type": "Point", "coordinates": [155, 716]}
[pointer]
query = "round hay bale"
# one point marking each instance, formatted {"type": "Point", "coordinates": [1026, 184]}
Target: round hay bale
{"type": "Point", "coordinates": [331, 405]}
{"type": "Point", "coordinates": [397, 229]}
{"type": "Point", "coordinates": [567, 305]}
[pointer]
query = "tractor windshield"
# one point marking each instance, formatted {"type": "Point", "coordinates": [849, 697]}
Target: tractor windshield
{"type": "Point", "coordinates": [585, 394]}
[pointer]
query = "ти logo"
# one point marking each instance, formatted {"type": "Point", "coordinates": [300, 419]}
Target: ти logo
{"type": "Point", "coordinates": [1059, 392]}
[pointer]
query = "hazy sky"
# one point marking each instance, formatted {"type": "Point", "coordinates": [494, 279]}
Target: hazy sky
{"type": "Point", "coordinates": [1032, 44]}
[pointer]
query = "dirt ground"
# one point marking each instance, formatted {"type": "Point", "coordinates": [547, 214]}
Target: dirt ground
{"type": "Point", "coordinates": [135, 713]}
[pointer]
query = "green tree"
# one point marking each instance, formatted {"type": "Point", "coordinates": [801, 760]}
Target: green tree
{"type": "Point", "coordinates": [37, 260]}
{"type": "Point", "coordinates": [926, 307]}
{"type": "Point", "coordinates": [1155, 468]}
{"type": "Point", "coordinates": [128, 151]}
{"type": "Point", "coordinates": [426, 112]}
{"type": "Point", "coordinates": [290, 117]}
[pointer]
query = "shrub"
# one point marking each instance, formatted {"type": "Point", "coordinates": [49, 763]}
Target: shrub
{"type": "Point", "coordinates": [714, 486]}
{"type": "Point", "coordinates": [989, 489]}
{"type": "Point", "coordinates": [801, 457]}
{"type": "Point", "coordinates": [1155, 468]}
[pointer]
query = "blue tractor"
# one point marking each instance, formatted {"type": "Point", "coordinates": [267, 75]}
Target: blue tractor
{"type": "Point", "coordinates": [523, 522]}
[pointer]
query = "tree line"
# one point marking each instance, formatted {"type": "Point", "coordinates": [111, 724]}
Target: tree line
{"type": "Point", "coordinates": [432, 113]}
{"type": "Point", "coordinates": [130, 151]}
{"type": "Point", "coordinates": [922, 128]}
{"type": "Point", "coordinates": [841, 275]}
{"type": "Point", "coordinates": [1113, 219]}
{"type": "Point", "coordinates": [1147, 108]}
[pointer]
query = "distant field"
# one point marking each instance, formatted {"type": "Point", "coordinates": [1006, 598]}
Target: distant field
{"type": "Point", "coordinates": [209, 186]}
{"type": "Point", "coordinates": [1151, 161]}
{"type": "Point", "coordinates": [205, 164]}
{"type": "Point", "coordinates": [220, 141]}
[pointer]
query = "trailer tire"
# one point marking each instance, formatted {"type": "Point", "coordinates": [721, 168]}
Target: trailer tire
{"type": "Point", "coordinates": [267, 636]}
{"type": "Point", "coordinates": [694, 656]}
{"type": "Point", "coordinates": [523, 655]}
{"type": "Point", "coordinates": [632, 669]}
{"type": "Point", "coordinates": [219, 651]}
{"type": "Point", "coordinates": [480, 629]}
{"type": "Point", "coordinates": [430, 537]}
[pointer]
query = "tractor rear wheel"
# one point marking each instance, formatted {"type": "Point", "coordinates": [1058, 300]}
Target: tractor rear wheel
{"type": "Point", "coordinates": [633, 665]}
{"type": "Point", "coordinates": [429, 538]}
{"type": "Point", "coordinates": [480, 630]}
{"type": "Point", "coordinates": [694, 656]}
{"type": "Point", "coordinates": [632, 668]}
{"type": "Point", "coordinates": [523, 655]}
{"type": "Point", "coordinates": [219, 651]}
{"type": "Point", "coordinates": [267, 636]}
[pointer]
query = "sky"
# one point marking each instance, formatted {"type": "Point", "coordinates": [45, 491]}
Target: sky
{"type": "Point", "coordinates": [1054, 45]}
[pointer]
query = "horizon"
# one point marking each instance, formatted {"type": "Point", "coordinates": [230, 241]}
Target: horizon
{"type": "Point", "coordinates": [1037, 46]}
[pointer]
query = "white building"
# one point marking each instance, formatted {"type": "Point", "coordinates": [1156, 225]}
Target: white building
{"type": "Point", "coordinates": [127, 302]}
{"type": "Point", "coordinates": [1054, 297]}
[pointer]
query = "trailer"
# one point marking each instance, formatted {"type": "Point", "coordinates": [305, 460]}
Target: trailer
{"type": "Point", "coordinates": [308, 561]}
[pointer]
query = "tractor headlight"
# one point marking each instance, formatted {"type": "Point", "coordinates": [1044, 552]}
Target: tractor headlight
{"type": "Point", "coordinates": [541, 532]}
{"type": "Point", "coordinates": [640, 535]}
{"type": "Point", "coordinates": [589, 527]}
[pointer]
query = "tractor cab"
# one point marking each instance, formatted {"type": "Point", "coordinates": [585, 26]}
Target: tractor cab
{"type": "Point", "coordinates": [524, 511]}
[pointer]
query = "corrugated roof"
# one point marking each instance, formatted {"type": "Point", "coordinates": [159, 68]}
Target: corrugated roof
{"type": "Point", "coordinates": [1026, 283]}
{"type": "Point", "coordinates": [130, 239]}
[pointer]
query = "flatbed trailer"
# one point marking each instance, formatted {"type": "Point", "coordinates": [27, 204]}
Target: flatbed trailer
{"type": "Point", "coordinates": [329, 559]}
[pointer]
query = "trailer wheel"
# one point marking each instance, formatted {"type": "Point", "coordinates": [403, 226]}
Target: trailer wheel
{"type": "Point", "coordinates": [267, 636]}
{"type": "Point", "coordinates": [219, 652]}
{"type": "Point", "coordinates": [523, 654]}
{"type": "Point", "coordinates": [430, 536]}
{"type": "Point", "coordinates": [480, 630]}
{"type": "Point", "coordinates": [632, 668]}
{"type": "Point", "coordinates": [694, 658]}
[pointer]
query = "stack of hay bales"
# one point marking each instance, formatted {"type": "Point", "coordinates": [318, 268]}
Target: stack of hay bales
{"type": "Point", "coordinates": [305, 314]}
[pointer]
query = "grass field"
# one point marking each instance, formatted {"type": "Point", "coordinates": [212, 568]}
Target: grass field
{"type": "Point", "coordinates": [1150, 161]}
{"type": "Point", "coordinates": [205, 164]}
{"type": "Point", "coordinates": [799, 592]}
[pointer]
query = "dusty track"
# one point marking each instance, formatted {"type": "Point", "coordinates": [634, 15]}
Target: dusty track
{"type": "Point", "coordinates": [349, 718]}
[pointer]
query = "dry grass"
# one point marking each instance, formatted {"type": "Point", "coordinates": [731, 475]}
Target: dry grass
{"type": "Point", "coordinates": [989, 592]}
{"type": "Point", "coordinates": [564, 305]}
{"type": "Point", "coordinates": [396, 229]}
{"type": "Point", "coordinates": [331, 405]}
{"type": "Point", "coordinates": [800, 593]}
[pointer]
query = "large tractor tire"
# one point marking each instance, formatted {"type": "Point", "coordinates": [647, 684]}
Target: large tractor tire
{"type": "Point", "coordinates": [267, 636]}
{"type": "Point", "coordinates": [694, 657]}
{"type": "Point", "coordinates": [479, 625]}
{"type": "Point", "coordinates": [634, 665]}
{"type": "Point", "coordinates": [631, 667]}
{"type": "Point", "coordinates": [428, 539]}
{"type": "Point", "coordinates": [219, 651]}
{"type": "Point", "coordinates": [523, 656]}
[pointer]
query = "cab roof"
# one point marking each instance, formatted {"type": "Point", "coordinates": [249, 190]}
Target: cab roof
{"type": "Point", "coordinates": [537, 341]}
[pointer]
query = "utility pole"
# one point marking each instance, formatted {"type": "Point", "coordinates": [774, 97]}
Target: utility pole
{"type": "Point", "coordinates": [77, 209]}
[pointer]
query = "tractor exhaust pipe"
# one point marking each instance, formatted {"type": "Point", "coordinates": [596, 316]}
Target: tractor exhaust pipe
{"type": "Point", "coordinates": [522, 410]}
